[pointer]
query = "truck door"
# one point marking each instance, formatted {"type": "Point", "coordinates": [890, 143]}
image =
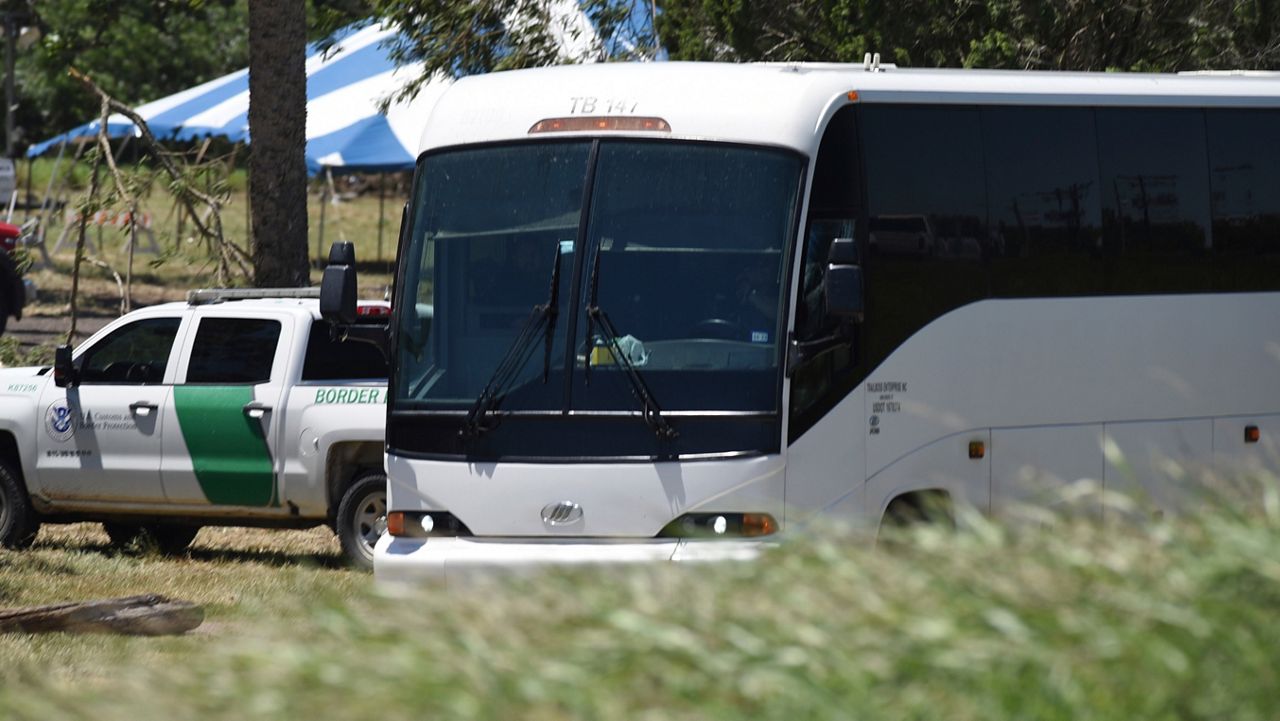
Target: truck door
{"type": "Point", "coordinates": [101, 439]}
{"type": "Point", "coordinates": [226, 410]}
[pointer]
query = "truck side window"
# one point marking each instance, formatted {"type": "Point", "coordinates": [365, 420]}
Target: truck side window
{"type": "Point", "coordinates": [135, 354]}
{"type": "Point", "coordinates": [331, 360]}
{"type": "Point", "coordinates": [233, 351]}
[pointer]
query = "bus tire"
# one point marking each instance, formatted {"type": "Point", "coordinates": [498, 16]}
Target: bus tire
{"type": "Point", "coordinates": [19, 523]}
{"type": "Point", "coordinates": [920, 507]}
{"type": "Point", "coordinates": [362, 517]}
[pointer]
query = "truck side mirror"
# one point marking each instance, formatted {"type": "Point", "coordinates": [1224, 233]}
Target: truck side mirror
{"type": "Point", "coordinates": [843, 287]}
{"type": "Point", "coordinates": [64, 371]}
{"type": "Point", "coordinates": [338, 286]}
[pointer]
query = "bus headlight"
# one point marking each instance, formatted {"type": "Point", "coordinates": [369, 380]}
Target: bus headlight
{"type": "Point", "coordinates": [721, 525]}
{"type": "Point", "coordinates": [428, 524]}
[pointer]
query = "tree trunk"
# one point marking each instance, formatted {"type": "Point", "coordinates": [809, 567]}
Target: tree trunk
{"type": "Point", "coordinates": [277, 129]}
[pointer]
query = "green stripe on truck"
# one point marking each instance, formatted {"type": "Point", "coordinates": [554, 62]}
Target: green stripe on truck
{"type": "Point", "coordinates": [228, 450]}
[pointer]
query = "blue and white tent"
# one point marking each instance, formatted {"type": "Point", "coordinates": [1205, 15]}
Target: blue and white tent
{"type": "Point", "coordinates": [345, 130]}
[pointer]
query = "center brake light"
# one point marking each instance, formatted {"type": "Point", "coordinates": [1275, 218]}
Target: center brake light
{"type": "Point", "coordinates": [600, 122]}
{"type": "Point", "coordinates": [373, 310]}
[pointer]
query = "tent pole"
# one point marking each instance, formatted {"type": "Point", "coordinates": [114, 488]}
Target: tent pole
{"type": "Point", "coordinates": [382, 218]}
{"type": "Point", "coordinates": [26, 202]}
{"type": "Point", "coordinates": [48, 190]}
{"type": "Point", "coordinates": [324, 201]}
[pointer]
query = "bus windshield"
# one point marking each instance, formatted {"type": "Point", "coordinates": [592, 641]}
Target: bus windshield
{"type": "Point", "coordinates": [682, 247]}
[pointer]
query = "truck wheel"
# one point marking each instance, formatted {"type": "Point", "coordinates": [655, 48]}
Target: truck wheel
{"type": "Point", "coordinates": [362, 517]}
{"type": "Point", "coordinates": [18, 521]}
{"type": "Point", "coordinates": [168, 539]}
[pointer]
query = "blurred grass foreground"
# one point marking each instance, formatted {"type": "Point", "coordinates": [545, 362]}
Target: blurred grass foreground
{"type": "Point", "coordinates": [1063, 617]}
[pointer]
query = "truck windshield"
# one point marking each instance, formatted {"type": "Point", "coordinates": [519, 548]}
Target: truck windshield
{"type": "Point", "coordinates": [683, 246]}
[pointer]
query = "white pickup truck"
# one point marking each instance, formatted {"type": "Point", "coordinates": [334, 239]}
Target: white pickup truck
{"type": "Point", "coordinates": [237, 408]}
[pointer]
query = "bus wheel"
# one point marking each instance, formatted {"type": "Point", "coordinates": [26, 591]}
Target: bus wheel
{"type": "Point", "coordinates": [919, 507]}
{"type": "Point", "coordinates": [362, 517]}
{"type": "Point", "coordinates": [18, 521]}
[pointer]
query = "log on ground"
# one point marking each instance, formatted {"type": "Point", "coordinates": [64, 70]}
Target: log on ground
{"type": "Point", "coordinates": [148, 615]}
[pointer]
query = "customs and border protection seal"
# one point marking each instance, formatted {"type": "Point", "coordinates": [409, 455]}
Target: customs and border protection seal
{"type": "Point", "coordinates": [59, 421]}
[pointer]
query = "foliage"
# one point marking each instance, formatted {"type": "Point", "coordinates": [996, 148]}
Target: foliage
{"type": "Point", "coordinates": [13, 355]}
{"type": "Point", "coordinates": [453, 39]}
{"type": "Point", "coordinates": [1147, 35]}
{"type": "Point", "coordinates": [1067, 620]}
{"type": "Point", "coordinates": [137, 51]}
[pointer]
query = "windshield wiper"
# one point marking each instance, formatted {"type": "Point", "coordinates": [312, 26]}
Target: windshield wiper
{"type": "Point", "coordinates": [650, 411]}
{"type": "Point", "coordinates": [541, 318]}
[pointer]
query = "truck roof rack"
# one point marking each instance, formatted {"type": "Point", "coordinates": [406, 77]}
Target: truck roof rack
{"type": "Point", "coordinates": [205, 296]}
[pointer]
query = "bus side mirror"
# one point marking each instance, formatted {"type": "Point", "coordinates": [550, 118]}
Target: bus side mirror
{"type": "Point", "coordinates": [338, 287]}
{"type": "Point", "coordinates": [843, 287]}
{"type": "Point", "coordinates": [64, 371]}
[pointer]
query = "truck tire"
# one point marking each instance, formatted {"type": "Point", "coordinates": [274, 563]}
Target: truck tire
{"type": "Point", "coordinates": [362, 517]}
{"type": "Point", "coordinates": [18, 521]}
{"type": "Point", "coordinates": [168, 539]}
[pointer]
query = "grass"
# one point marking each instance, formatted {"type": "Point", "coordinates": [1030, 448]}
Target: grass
{"type": "Point", "coordinates": [1061, 619]}
{"type": "Point", "coordinates": [237, 574]}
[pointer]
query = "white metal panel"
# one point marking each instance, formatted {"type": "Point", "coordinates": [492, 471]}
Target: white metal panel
{"type": "Point", "coordinates": [1161, 466]}
{"type": "Point", "coordinates": [1035, 465]}
{"type": "Point", "coordinates": [782, 104]}
{"type": "Point", "coordinates": [1074, 361]}
{"type": "Point", "coordinates": [942, 465]}
{"type": "Point", "coordinates": [826, 465]}
{"type": "Point", "coordinates": [618, 499]}
{"type": "Point", "coordinates": [1233, 456]}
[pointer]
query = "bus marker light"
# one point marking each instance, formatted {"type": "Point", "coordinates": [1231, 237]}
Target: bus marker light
{"type": "Point", "coordinates": [600, 122]}
{"type": "Point", "coordinates": [977, 449]}
{"type": "Point", "coordinates": [1252, 434]}
{"type": "Point", "coordinates": [852, 95]}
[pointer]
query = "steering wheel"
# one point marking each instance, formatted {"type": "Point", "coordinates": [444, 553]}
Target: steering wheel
{"type": "Point", "coordinates": [138, 373]}
{"type": "Point", "coordinates": [718, 328]}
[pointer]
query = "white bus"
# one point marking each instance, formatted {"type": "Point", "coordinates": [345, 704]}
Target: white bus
{"type": "Point", "coordinates": [640, 313]}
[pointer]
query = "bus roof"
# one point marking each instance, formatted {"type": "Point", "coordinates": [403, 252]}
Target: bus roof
{"type": "Point", "coordinates": [785, 104]}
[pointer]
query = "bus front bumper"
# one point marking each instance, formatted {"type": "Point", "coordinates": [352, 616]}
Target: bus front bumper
{"type": "Point", "coordinates": [442, 559]}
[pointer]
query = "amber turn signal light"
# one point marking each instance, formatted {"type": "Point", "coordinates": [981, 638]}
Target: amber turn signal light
{"type": "Point", "coordinates": [395, 523]}
{"type": "Point", "coordinates": [1252, 434]}
{"type": "Point", "coordinates": [758, 524]}
{"type": "Point", "coordinates": [977, 449]}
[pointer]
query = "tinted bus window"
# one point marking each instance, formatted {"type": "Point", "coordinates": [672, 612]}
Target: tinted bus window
{"type": "Point", "coordinates": [927, 209]}
{"type": "Point", "coordinates": [1045, 208]}
{"type": "Point", "coordinates": [1155, 199]}
{"type": "Point", "coordinates": [1244, 177]}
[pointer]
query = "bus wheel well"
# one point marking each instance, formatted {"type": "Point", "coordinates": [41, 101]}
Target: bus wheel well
{"type": "Point", "coordinates": [930, 505]}
{"type": "Point", "coordinates": [347, 461]}
{"type": "Point", "coordinates": [9, 454]}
